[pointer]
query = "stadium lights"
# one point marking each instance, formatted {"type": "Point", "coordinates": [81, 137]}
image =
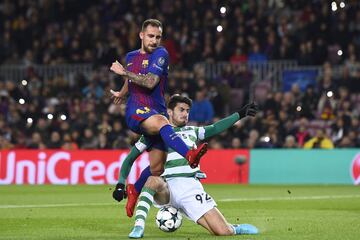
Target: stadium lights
{"type": "Point", "coordinates": [24, 82]}
{"type": "Point", "coordinates": [50, 116]}
{"type": "Point", "coordinates": [29, 120]}
{"type": "Point", "coordinates": [21, 101]}
{"type": "Point", "coordinates": [333, 6]}
{"type": "Point", "coordinates": [342, 4]}
{"type": "Point", "coordinates": [223, 10]}
{"type": "Point", "coordinates": [63, 117]}
{"type": "Point", "coordinates": [339, 52]}
{"type": "Point", "coordinates": [329, 94]}
{"type": "Point", "coordinates": [219, 28]}
{"type": "Point", "coordinates": [298, 108]}
{"type": "Point", "coordinates": [267, 139]}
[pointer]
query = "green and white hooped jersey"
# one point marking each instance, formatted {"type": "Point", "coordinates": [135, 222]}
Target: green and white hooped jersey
{"type": "Point", "coordinates": [176, 165]}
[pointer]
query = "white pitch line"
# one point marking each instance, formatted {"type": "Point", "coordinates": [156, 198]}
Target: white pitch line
{"type": "Point", "coordinates": [55, 205]}
{"type": "Point", "coordinates": [219, 200]}
{"type": "Point", "coordinates": [287, 198]}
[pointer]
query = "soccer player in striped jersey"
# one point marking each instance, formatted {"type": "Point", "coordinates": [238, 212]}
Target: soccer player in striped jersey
{"type": "Point", "coordinates": [146, 75]}
{"type": "Point", "coordinates": [198, 205]}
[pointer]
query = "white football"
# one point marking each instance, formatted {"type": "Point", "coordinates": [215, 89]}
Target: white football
{"type": "Point", "coordinates": [168, 219]}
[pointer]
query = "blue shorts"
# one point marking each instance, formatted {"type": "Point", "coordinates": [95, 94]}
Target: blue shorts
{"type": "Point", "coordinates": [135, 115]}
{"type": "Point", "coordinates": [155, 141]}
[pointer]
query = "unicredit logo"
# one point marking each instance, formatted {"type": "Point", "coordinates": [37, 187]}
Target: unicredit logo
{"type": "Point", "coordinates": [355, 169]}
{"type": "Point", "coordinates": [65, 167]}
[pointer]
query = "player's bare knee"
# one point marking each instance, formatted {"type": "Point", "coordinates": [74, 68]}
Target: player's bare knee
{"type": "Point", "coordinates": [153, 124]}
{"type": "Point", "coordinates": [153, 182]}
{"type": "Point", "coordinates": [156, 170]}
{"type": "Point", "coordinates": [161, 121]}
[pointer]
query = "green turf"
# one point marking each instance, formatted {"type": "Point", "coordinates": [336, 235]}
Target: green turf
{"type": "Point", "coordinates": [88, 212]}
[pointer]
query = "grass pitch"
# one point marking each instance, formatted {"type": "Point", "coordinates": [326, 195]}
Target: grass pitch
{"type": "Point", "coordinates": [88, 212]}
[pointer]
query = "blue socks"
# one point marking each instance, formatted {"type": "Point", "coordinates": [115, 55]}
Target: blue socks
{"type": "Point", "coordinates": [173, 140]}
{"type": "Point", "coordinates": [142, 179]}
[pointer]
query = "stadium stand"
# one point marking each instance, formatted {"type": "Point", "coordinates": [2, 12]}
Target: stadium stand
{"type": "Point", "coordinates": [55, 56]}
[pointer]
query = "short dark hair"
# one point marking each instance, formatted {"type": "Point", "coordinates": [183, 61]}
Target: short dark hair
{"type": "Point", "coordinates": [151, 22]}
{"type": "Point", "coordinates": [177, 98]}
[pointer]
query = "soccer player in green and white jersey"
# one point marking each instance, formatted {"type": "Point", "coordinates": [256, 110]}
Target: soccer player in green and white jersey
{"type": "Point", "coordinates": [182, 188]}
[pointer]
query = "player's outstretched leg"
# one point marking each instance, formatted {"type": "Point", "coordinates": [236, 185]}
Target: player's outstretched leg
{"type": "Point", "coordinates": [133, 196]}
{"type": "Point", "coordinates": [242, 229]}
{"type": "Point", "coordinates": [144, 175]}
{"type": "Point", "coordinates": [194, 155]}
{"type": "Point", "coordinates": [173, 140]}
{"type": "Point", "coordinates": [145, 201]}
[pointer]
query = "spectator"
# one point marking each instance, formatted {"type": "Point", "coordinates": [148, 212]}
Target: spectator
{"type": "Point", "coordinates": [89, 141]}
{"type": "Point", "coordinates": [55, 141]}
{"type": "Point", "coordinates": [320, 140]}
{"type": "Point", "coordinates": [68, 143]}
{"type": "Point", "coordinates": [103, 142]}
{"type": "Point", "coordinates": [309, 102]}
{"type": "Point", "coordinates": [202, 110]}
{"type": "Point", "coordinates": [236, 143]}
{"type": "Point", "coordinates": [290, 142]}
{"type": "Point", "coordinates": [301, 132]}
{"type": "Point", "coordinates": [257, 56]}
{"type": "Point", "coordinates": [36, 141]}
{"type": "Point", "coordinates": [5, 144]}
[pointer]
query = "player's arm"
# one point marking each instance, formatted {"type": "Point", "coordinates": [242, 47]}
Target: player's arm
{"type": "Point", "coordinates": [221, 125]}
{"type": "Point", "coordinates": [158, 64]}
{"type": "Point", "coordinates": [150, 80]}
{"type": "Point", "coordinates": [225, 123]}
{"type": "Point", "coordinates": [125, 88]}
{"type": "Point", "coordinates": [135, 152]}
{"type": "Point", "coordinates": [119, 96]}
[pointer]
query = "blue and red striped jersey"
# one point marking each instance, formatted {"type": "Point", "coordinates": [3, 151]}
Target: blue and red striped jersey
{"type": "Point", "coordinates": [142, 63]}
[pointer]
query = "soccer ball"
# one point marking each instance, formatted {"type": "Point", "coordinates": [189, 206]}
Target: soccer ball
{"type": "Point", "coordinates": [168, 219]}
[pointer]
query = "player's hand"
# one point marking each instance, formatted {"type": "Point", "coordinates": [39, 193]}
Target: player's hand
{"type": "Point", "coordinates": [118, 96]}
{"type": "Point", "coordinates": [119, 193]}
{"type": "Point", "coordinates": [249, 109]}
{"type": "Point", "coordinates": [117, 68]}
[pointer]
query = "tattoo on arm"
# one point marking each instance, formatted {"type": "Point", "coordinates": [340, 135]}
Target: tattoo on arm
{"type": "Point", "coordinates": [149, 80]}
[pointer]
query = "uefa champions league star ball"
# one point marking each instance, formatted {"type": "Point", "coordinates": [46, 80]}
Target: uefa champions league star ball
{"type": "Point", "coordinates": [168, 219]}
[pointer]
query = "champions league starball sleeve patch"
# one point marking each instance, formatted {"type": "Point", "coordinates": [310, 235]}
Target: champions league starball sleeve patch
{"type": "Point", "coordinates": [161, 61]}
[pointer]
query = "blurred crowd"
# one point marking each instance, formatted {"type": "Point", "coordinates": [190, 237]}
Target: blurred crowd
{"type": "Point", "coordinates": [78, 113]}
{"type": "Point", "coordinates": [99, 31]}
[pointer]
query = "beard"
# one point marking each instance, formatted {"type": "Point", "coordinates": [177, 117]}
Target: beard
{"type": "Point", "coordinates": [149, 49]}
{"type": "Point", "coordinates": [181, 123]}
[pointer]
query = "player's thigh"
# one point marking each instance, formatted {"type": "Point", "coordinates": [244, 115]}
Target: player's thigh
{"type": "Point", "coordinates": [157, 160]}
{"type": "Point", "coordinates": [154, 123]}
{"type": "Point", "coordinates": [191, 197]}
{"type": "Point", "coordinates": [142, 119]}
{"type": "Point", "coordinates": [215, 222]}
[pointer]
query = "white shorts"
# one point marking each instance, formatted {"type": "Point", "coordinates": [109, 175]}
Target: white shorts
{"type": "Point", "coordinates": [188, 195]}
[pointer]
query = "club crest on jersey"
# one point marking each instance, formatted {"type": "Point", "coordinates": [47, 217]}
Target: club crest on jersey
{"type": "Point", "coordinates": [161, 61]}
{"type": "Point", "coordinates": [145, 63]}
{"type": "Point", "coordinates": [142, 111]}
